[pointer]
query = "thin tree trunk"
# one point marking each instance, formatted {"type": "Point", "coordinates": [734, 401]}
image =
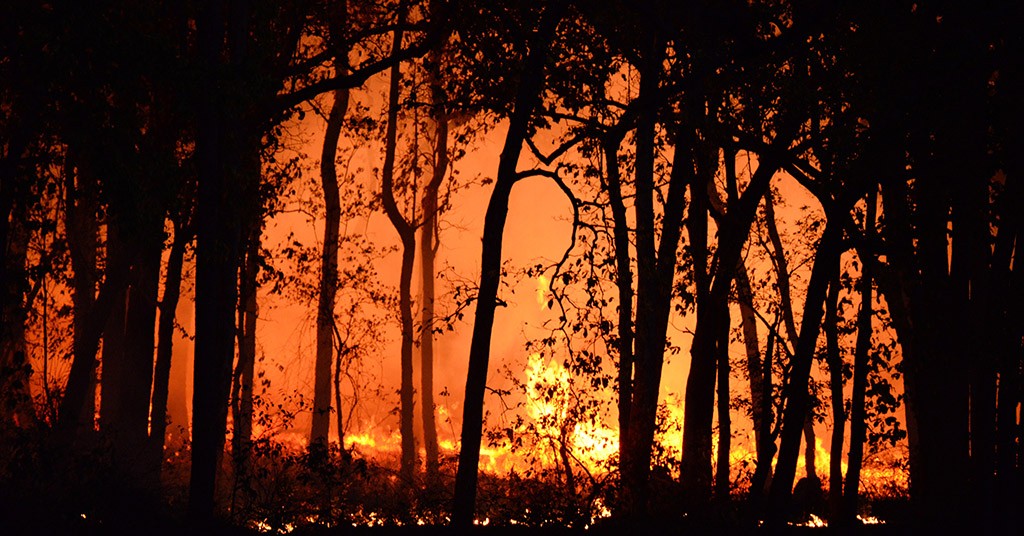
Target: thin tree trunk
{"type": "Point", "coordinates": [328, 275]}
{"type": "Point", "coordinates": [624, 283]}
{"type": "Point", "coordinates": [428, 239]}
{"type": "Point", "coordinates": [242, 402]}
{"type": "Point", "coordinates": [528, 96]}
{"type": "Point", "coordinates": [700, 386]}
{"type": "Point", "coordinates": [407, 234]}
{"type": "Point", "coordinates": [861, 367]}
{"type": "Point", "coordinates": [796, 394]}
{"type": "Point", "coordinates": [181, 364]}
{"type": "Point", "coordinates": [113, 353]}
{"type": "Point", "coordinates": [755, 376]}
{"type": "Point", "coordinates": [81, 210]}
{"type": "Point", "coordinates": [164, 351]}
{"type": "Point", "coordinates": [766, 447]}
{"type": "Point", "coordinates": [339, 415]}
{"type": "Point", "coordinates": [81, 378]}
{"type": "Point", "coordinates": [782, 270]}
{"type": "Point", "coordinates": [835, 369]}
{"type": "Point", "coordinates": [722, 483]}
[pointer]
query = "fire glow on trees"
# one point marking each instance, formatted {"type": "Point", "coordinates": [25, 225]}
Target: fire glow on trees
{"type": "Point", "coordinates": [647, 258]}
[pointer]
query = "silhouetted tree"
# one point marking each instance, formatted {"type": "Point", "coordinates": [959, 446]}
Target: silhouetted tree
{"type": "Point", "coordinates": [527, 97]}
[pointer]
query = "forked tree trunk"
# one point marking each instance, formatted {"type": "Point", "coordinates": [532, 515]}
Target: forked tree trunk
{"type": "Point", "coordinates": [656, 263]}
{"type": "Point", "coordinates": [700, 386]}
{"type": "Point", "coordinates": [81, 378]}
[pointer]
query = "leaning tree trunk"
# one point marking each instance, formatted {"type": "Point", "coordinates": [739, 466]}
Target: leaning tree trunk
{"type": "Point", "coordinates": [785, 297]}
{"type": "Point", "coordinates": [796, 392]}
{"type": "Point", "coordinates": [321, 422]}
{"type": "Point", "coordinates": [528, 97]}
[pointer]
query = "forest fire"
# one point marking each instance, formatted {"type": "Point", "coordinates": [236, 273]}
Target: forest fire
{"type": "Point", "coordinates": [289, 266]}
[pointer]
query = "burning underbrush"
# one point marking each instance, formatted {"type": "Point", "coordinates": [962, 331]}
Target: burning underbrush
{"type": "Point", "coordinates": [284, 489]}
{"type": "Point", "coordinates": [280, 488]}
{"type": "Point", "coordinates": [549, 460]}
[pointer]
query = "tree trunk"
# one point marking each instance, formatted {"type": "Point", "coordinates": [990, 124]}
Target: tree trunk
{"type": "Point", "coordinates": [128, 344]}
{"type": "Point", "coordinates": [164, 350]}
{"type": "Point", "coordinates": [835, 370]}
{"type": "Point", "coordinates": [656, 267]}
{"type": "Point", "coordinates": [861, 366]}
{"type": "Point", "coordinates": [796, 394]}
{"type": "Point", "coordinates": [528, 96]}
{"type": "Point", "coordinates": [700, 386]}
{"type": "Point", "coordinates": [181, 365]}
{"type": "Point", "coordinates": [242, 406]}
{"type": "Point", "coordinates": [722, 484]}
{"type": "Point", "coordinates": [752, 345]}
{"type": "Point", "coordinates": [321, 422]}
{"type": "Point", "coordinates": [134, 387]}
{"type": "Point", "coordinates": [81, 377]}
{"type": "Point", "coordinates": [222, 172]}
{"type": "Point", "coordinates": [428, 241]}
{"type": "Point", "coordinates": [810, 447]}
{"type": "Point", "coordinates": [113, 353]}
{"type": "Point", "coordinates": [407, 234]}
{"type": "Point", "coordinates": [624, 283]}
{"type": "Point", "coordinates": [82, 210]}
{"type": "Point", "coordinates": [766, 446]}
